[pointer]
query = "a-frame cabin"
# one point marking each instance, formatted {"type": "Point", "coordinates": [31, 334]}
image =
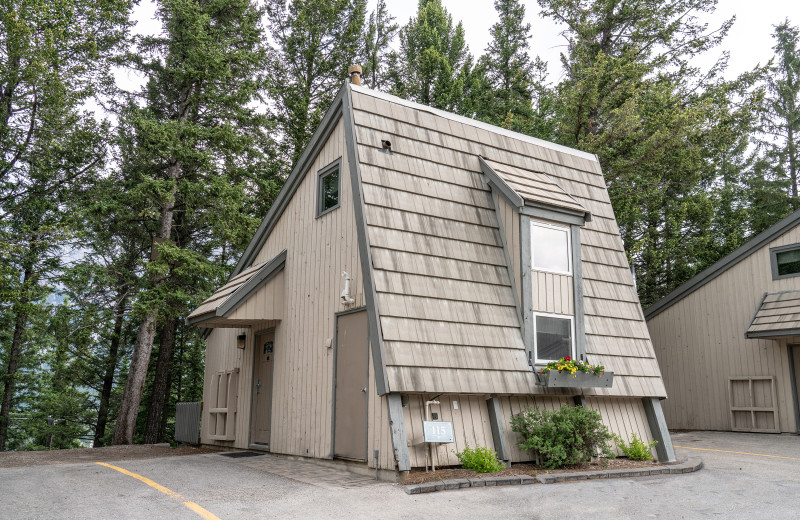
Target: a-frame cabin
{"type": "Point", "coordinates": [472, 252]}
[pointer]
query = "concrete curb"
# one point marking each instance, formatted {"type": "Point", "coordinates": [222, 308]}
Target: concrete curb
{"type": "Point", "coordinates": [687, 466]}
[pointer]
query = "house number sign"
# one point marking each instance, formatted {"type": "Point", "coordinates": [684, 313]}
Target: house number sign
{"type": "Point", "coordinates": [437, 431]}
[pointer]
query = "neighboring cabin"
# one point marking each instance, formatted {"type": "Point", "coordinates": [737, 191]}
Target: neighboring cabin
{"type": "Point", "coordinates": [470, 250]}
{"type": "Point", "coordinates": [727, 339]}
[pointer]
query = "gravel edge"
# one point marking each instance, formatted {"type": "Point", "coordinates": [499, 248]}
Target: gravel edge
{"type": "Point", "coordinates": [687, 466]}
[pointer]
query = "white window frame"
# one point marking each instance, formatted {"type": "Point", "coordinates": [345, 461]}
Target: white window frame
{"type": "Point", "coordinates": [539, 361]}
{"type": "Point", "coordinates": [568, 231]}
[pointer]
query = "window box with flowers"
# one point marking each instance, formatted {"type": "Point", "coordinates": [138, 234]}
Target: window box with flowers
{"type": "Point", "coordinates": [571, 373]}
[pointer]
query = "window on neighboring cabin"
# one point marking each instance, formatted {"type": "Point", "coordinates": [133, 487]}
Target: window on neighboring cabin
{"type": "Point", "coordinates": [553, 337]}
{"type": "Point", "coordinates": [550, 248]}
{"type": "Point", "coordinates": [328, 188]}
{"type": "Point", "coordinates": [785, 261]}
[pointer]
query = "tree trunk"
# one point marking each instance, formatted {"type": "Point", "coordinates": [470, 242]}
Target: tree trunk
{"type": "Point", "coordinates": [13, 359]}
{"type": "Point", "coordinates": [132, 395]}
{"type": "Point", "coordinates": [792, 160]}
{"type": "Point", "coordinates": [108, 377]}
{"type": "Point", "coordinates": [160, 383]}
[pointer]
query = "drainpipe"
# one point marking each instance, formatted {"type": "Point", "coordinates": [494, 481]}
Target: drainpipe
{"type": "Point", "coordinates": [430, 445]}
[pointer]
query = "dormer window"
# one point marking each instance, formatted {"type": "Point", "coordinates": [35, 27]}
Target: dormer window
{"type": "Point", "coordinates": [328, 188]}
{"type": "Point", "coordinates": [551, 248]}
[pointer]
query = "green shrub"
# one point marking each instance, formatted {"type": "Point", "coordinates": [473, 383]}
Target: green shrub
{"type": "Point", "coordinates": [482, 460]}
{"type": "Point", "coordinates": [568, 436]}
{"type": "Point", "coordinates": [637, 449]}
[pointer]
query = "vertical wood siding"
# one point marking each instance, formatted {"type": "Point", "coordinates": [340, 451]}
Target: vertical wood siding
{"type": "Point", "coordinates": [318, 250]}
{"type": "Point", "coordinates": [471, 422]}
{"type": "Point", "coordinates": [700, 343]}
{"type": "Point", "coordinates": [552, 293]}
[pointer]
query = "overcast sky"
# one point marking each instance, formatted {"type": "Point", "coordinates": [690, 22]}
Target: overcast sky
{"type": "Point", "coordinates": [749, 41]}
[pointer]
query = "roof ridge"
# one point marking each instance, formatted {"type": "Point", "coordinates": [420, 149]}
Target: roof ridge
{"type": "Point", "coordinates": [474, 122]}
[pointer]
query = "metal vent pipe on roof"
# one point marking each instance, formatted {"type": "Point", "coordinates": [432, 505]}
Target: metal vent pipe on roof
{"type": "Point", "coordinates": [355, 74]}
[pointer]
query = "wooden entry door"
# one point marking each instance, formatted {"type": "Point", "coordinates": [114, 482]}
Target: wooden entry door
{"type": "Point", "coordinates": [261, 413]}
{"type": "Point", "coordinates": [352, 375]}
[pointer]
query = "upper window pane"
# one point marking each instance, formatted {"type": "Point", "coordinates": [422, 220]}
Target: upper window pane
{"type": "Point", "coordinates": [328, 190]}
{"type": "Point", "coordinates": [553, 338]}
{"type": "Point", "coordinates": [788, 262]}
{"type": "Point", "coordinates": [550, 248]}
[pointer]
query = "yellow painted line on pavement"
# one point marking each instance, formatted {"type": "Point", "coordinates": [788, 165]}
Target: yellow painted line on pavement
{"type": "Point", "coordinates": [207, 515]}
{"type": "Point", "coordinates": [739, 453]}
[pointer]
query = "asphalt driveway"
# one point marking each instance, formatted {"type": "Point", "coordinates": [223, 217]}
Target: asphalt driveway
{"type": "Point", "coordinates": [745, 476]}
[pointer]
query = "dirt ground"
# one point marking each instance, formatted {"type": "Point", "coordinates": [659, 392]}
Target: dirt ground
{"type": "Point", "coordinates": [420, 476]}
{"type": "Point", "coordinates": [12, 459]}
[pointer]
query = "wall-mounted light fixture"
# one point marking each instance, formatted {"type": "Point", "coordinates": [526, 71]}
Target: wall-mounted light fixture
{"type": "Point", "coordinates": [241, 339]}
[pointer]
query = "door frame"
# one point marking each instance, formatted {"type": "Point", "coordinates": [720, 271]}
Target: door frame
{"type": "Point", "coordinates": [336, 316]}
{"type": "Point", "coordinates": [250, 443]}
{"type": "Point", "coordinates": [793, 381]}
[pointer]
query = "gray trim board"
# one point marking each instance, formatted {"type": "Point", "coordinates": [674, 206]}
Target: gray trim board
{"type": "Point", "coordinates": [397, 428]}
{"type": "Point", "coordinates": [496, 422]}
{"type": "Point", "coordinates": [497, 182]}
{"type": "Point", "coordinates": [293, 181]}
{"type": "Point", "coordinates": [658, 428]}
{"type": "Point", "coordinates": [245, 291]}
{"type": "Point", "coordinates": [577, 288]}
{"type": "Point", "coordinates": [324, 171]}
{"type": "Point", "coordinates": [769, 334]}
{"type": "Point", "coordinates": [527, 288]}
{"type": "Point", "coordinates": [705, 276]}
{"type": "Point", "coordinates": [370, 295]}
{"type": "Point", "coordinates": [564, 216]}
{"type": "Point", "coordinates": [793, 381]}
{"type": "Point", "coordinates": [773, 260]}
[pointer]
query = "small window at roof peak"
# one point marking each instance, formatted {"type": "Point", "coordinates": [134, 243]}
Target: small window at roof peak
{"type": "Point", "coordinates": [328, 184]}
{"type": "Point", "coordinates": [785, 261]}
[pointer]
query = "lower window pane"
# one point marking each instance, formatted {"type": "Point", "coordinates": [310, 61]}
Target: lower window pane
{"type": "Point", "coordinates": [788, 262]}
{"type": "Point", "coordinates": [553, 338]}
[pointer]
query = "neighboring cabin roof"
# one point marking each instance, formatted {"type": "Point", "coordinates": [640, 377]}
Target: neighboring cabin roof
{"type": "Point", "coordinates": [448, 314]}
{"type": "Point", "coordinates": [778, 315]}
{"type": "Point", "coordinates": [719, 267]}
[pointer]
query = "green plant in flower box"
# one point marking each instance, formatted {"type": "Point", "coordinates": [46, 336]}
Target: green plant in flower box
{"type": "Point", "coordinates": [567, 364]}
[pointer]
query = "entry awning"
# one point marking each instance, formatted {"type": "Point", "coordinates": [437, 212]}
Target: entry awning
{"type": "Point", "coordinates": [254, 295]}
{"type": "Point", "coordinates": [778, 315]}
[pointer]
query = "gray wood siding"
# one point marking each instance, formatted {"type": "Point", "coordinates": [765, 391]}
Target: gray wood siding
{"type": "Point", "coordinates": [432, 219]}
{"type": "Point", "coordinates": [552, 293]}
{"type": "Point", "coordinates": [471, 424]}
{"type": "Point", "coordinates": [318, 250]}
{"type": "Point", "coordinates": [700, 343]}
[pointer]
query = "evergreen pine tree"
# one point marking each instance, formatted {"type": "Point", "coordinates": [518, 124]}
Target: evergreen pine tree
{"type": "Point", "coordinates": [506, 72]}
{"type": "Point", "coordinates": [434, 66]}
{"type": "Point", "coordinates": [317, 40]}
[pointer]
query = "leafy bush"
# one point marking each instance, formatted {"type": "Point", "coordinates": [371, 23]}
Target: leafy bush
{"type": "Point", "coordinates": [637, 449]}
{"type": "Point", "coordinates": [481, 459]}
{"type": "Point", "coordinates": [568, 436]}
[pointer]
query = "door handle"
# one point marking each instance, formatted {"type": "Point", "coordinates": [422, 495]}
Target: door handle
{"type": "Point", "coordinates": [258, 386]}
{"type": "Point", "coordinates": [364, 389]}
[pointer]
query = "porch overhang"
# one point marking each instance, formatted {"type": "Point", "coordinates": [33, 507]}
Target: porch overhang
{"type": "Point", "coordinates": [777, 316]}
{"type": "Point", "coordinates": [253, 297]}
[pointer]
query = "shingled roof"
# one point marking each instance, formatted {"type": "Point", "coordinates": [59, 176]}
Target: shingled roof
{"type": "Point", "coordinates": [777, 315]}
{"type": "Point", "coordinates": [448, 314]}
